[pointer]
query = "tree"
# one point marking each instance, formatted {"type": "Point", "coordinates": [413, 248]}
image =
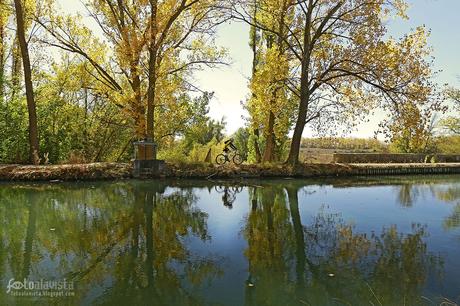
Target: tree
{"type": "Point", "coordinates": [410, 131]}
{"type": "Point", "coordinates": [4, 15]}
{"type": "Point", "coordinates": [242, 137]}
{"type": "Point", "coordinates": [451, 124]}
{"type": "Point", "coordinates": [34, 155]}
{"type": "Point", "coordinates": [343, 64]}
{"type": "Point", "coordinates": [270, 103]}
{"type": "Point", "coordinates": [271, 106]}
{"type": "Point", "coordinates": [254, 38]}
{"type": "Point", "coordinates": [198, 127]}
{"type": "Point", "coordinates": [157, 45]}
{"type": "Point", "coordinates": [76, 124]}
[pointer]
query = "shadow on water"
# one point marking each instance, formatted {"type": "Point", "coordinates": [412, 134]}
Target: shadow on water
{"type": "Point", "coordinates": [150, 243]}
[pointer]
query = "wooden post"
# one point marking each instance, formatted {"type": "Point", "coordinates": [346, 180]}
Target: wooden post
{"type": "Point", "coordinates": [208, 157]}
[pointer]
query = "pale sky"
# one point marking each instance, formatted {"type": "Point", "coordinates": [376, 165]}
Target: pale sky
{"type": "Point", "coordinates": [230, 84]}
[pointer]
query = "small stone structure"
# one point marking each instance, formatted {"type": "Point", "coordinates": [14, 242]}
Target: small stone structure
{"type": "Point", "coordinates": [145, 159]}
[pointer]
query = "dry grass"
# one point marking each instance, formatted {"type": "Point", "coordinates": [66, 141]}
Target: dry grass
{"type": "Point", "coordinates": [69, 172]}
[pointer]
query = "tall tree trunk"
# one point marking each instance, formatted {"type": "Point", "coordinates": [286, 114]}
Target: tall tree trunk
{"type": "Point", "coordinates": [33, 128]}
{"type": "Point", "coordinates": [150, 133]}
{"type": "Point", "coordinates": [138, 106]}
{"type": "Point", "coordinates": [269, 128]}
{"type": "Point", "coordinates": [256, 146]}
{"type": "Point", "coordinates": [270, 144]}
{"type": "Point", "coordinates": [293, 158]}
{"type": "Point", "coordinates": [294, 151]}
{"type": "Point", "coordinates": [152, 71]}
{"type": "Point", "coordinates": [15, 68]}
{"type": "Point", "coordinates": [85, 126]}
{"type": "Point", "coordinates": [255, 61]}
{"type": "Point", "coordinates": [269, 153]}
{"type": "Point", "coordinates": [2, 57]}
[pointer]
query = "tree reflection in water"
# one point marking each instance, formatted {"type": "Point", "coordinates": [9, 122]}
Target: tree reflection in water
{"type": "Point", "coordinates": [448, 192]}
{"type": "Point", "coordinates": [409, 189]}
{"type": "Point", "coordinates": [407, 195]}
{"type": "Point", "coordinates": [123, 243]}
{"type": "Point", "coordinates": [325, 261]}
{"type": "Point", "coordinates": [132, 243]}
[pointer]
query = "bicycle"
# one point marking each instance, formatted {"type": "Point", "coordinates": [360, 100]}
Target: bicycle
{"type": "Point", "coordinates": [223, 158]}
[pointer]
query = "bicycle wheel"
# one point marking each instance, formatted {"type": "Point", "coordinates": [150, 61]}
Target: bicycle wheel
{"type": "Point", "coordinates": [238, 159]}
{"type": "Point", "coordinates": [219, 188]}
{"type": "Point", "coordinates": [237, 189]}
{"type": "Point", "coordinates": [221, 159]}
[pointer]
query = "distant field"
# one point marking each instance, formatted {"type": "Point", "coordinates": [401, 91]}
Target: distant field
{"type": "Point", "coordinates": [325, 156]}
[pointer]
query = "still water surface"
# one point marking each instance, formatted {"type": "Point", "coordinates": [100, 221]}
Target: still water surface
{"type": "Point", "coordinates": [385, 241]}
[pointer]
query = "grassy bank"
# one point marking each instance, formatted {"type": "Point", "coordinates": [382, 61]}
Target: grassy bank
{"type": "Point", "coordinates": [71, 172]}
{"type": "Point", "coordinates": [108, 171]}
{"type": "Point", "coordinates": [113, 171]}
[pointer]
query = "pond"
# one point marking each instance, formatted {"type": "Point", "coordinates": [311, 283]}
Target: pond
{"type": "Point", "coordinates": [360, 241]}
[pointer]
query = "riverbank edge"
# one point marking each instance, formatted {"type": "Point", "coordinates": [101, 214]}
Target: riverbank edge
{"type": "Point", "coordinates": [118, 171]}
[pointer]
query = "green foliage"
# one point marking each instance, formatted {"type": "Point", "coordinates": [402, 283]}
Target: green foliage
{"type": "Point", "coordinates": [79, 125]}
{"type": "Point", "coordinates": [149, 71]}
{"type": "Point", "coordinates": [410, 131]}
{"type": "Point", "coordinates": [335, 63]}
{"type": "Point", "coordinates": [179, 152]}
{"type": "Point", "coordinates": [269, 95]}
{"type": "Point", "coordinates": [74, 124]}
{"type": "Point", "coordinates": [282, 148]}
{"type": "Point", "coordinates": [60, 128]}
{"type": "Point", "coordinates": [13, 131]}
{"type": "Point", "coordinates": [203, 133]}
{"type": "Point", "coordinates": [174, 153]}
{"type": "Point", "coordinates": [94, 99]}
{"type": "Point", "coordinates": [251, 158]}
{"type": "Point", "coordinates": [197, 127]}
{"type": "Point", "coordinates": [451, 124]}
{"type": "Point", "coordinates": [199, 152]}
{"type": "Point", "coordinates": [448, 144]}
{"type": "Point", "coordinates": [241, 140]}
{"type": "Point", "coordinates": [198, 133]}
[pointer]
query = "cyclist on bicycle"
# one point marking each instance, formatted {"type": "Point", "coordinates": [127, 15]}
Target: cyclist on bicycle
{"type": "Point", "coordinates": [229, 145]}
{"type": "Point", "coordinates": [223, 157]}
